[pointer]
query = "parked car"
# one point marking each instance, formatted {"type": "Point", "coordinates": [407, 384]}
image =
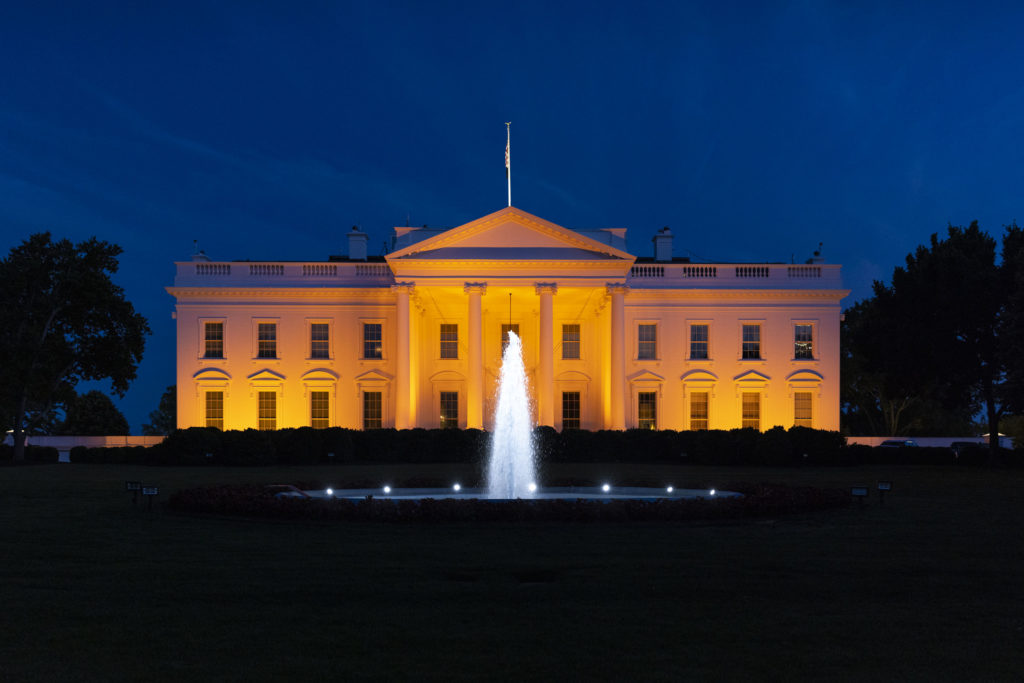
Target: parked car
{"type": "Point", "coordinates": [898, 443]}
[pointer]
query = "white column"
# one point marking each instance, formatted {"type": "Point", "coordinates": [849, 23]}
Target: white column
{"type": "Point", "coordinates": [402, 356]}
{"type": "Point", "coordinates": [475, 389]}
{"type": "Point", "coordinates": [546, 367]}
{"type": "Point", "coordinates": [618, 355]}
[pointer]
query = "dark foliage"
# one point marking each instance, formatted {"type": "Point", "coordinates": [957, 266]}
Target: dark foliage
{"type": "Point", "coordinates": [93, 414]}
{"type": "Point", "coordinates": [37, 454]}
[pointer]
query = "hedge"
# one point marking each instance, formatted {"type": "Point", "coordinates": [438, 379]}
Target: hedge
{"type": "Point", "coordinates": [776, 447]}
{"type": "Point", "coordinates": [39, 454]}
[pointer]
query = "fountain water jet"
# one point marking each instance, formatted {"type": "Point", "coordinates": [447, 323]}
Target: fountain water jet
{"type": "Point", "coordinates": [512, 468]}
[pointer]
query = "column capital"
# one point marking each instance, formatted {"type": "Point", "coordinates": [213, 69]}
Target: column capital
{"type": "Point", "coordinates": [475, 287]}
{"type": "Point", "coordinates": [617, 288]}
{"type": "Point", "coordinates": [403, 287]}
{"type": "Point", "coordinates": [545, 288]}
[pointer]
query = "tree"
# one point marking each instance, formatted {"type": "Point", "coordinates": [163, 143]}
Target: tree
{"type": "Point", "coordinates": [937, 333]}
{"type": "Point", "coordinates": [62, 320]}
{"type": "Point", "coordinates": [93, 414]}
{"type": "Point", "coordinates": [164, 419]}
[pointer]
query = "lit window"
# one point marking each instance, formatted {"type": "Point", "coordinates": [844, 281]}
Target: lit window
{"type": "Point", "coordinates": [647, 342]}
{"type": "Point", "coordinates": [647, 414]}
{"type": "Point", "coordinates": [803, 345]}
{"type": "Point", "coordinates": [699, 410]}
{"type": "Point", "coordinates": [373, 414]}
{"type": "Point", "coordinates": [373, 340]}
{"type": "Point", "coordinates": [505, 328]}
{"type": "Point", "coordinates": [449, 340]}
{"type": "Point", "coordinates": [802, 409]}
{"type": "Point", "coordinates": [215, 409]}
{"type": "Point", "coordinates": [266, 340]}
{"type": "Point", "coordinates": [751, 342]}
{"type": "Point", "coordinates": [267, 416]}
{"type": "Point", "coordinates": [570, 341]}
{"type": "Point", "coordinates": [751, 410]}
{"type": "Point", "coordinates": [570, 410]}
{"type": "Point", "coordinates": [319, 409]}
{"type": "Point", "coordinates": [319, 340]}
{"type": "Point", "coordinates": [449, 409]}
{"type": "Point", "coordinates": [214, 338]}
{"type": "Point", "coordinates": [698, 342]}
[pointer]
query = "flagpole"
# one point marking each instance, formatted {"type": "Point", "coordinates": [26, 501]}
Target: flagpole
{"type": "Point", "coordinates": [508, 159]}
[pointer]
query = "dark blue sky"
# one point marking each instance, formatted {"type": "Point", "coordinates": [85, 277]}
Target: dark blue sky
{"type": "Point", "coordinates": [266, 130]}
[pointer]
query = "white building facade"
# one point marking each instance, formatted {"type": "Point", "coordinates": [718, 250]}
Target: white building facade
{"type": "Point", "coordinates": [415, 340]}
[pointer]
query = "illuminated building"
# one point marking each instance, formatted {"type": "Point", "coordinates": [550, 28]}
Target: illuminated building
{"type": "Point", "coordinates": [414, 339]}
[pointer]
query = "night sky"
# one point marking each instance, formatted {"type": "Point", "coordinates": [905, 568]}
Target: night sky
{"type": "Point", "coordinates": [266, 130]}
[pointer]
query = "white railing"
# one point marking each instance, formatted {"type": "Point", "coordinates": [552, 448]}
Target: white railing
{"type": "Point", "coordinates": [732, 275]}
{"type": "Point", "coordinates": [245, 274]}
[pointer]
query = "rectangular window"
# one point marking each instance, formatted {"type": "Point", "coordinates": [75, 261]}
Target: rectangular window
{"type": "Point", "coordinates": [751, 410]}
{"type": "Point", "coordinates": [373, 340]}
{"type": "Point", "coordinates": [647, 414]}
{"type": "Point", "coordinates": [803, 341]}
{"type": "Point", "coordinates": [751, 342]}
{"type": "Point", "coordinates": [449, 409]}
{"type": "Point", "coordinates": [214, 338]}
{"type": "Point", "coordinates": [449, 341]}
{"type": "Point", "coordinates": [570, 341]}
{"type": "Point", "coordinates": [267, 416]}
{"type": "Point", "coordinates": [570, 410]}
{"type": "Point", "coordinates": [514, 327]}
{"type": "Point", "coordinates": [266, 340]}
{"type": "Point", "coordinates": [215, 409]}
{"type": "Point", "coordinates": [319, 340]}
{"type": "Point", "coordinates": [373, 413]}
{"type": "Point", "coordinates": [319, 409]}
{"type": "Point", "coordinates": [699, 410]}
{"type": "Point", "coordinates": [698, 342]}
{"type": "Point", "coordinates": [802, 409]}
{"type": "Point", "coordinates": [647, 342]}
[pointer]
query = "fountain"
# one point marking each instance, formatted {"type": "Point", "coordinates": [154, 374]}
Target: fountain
{"type": "Point", "coordinates": [512, 472]}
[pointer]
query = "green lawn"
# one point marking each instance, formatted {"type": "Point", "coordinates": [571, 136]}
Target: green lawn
{"type": "Point", "coordinates": [929, 586]}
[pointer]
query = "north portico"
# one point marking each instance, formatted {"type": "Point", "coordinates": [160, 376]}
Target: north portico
{"type": "Point", "coordinates": [610, 341]}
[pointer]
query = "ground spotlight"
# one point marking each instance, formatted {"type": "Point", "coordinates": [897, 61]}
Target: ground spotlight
{"type": "Point", "coordinates": [606, 488]}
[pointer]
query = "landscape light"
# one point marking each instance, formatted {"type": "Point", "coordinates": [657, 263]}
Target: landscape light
{"type": "Point", "coordinates": [670, 489]}
{"type": "Point", "coordinates": [457, 487]}
{"type": "Point", "coordinates": [606, 488]}
{"type": "Point", "coordinates": [387, 489]}
{"type": "Point", "coordinates": [712, 492]}
{"type": "Point", "coordinates": [330, 492]}
{"type": "Point", "coordinates": [533, 487]}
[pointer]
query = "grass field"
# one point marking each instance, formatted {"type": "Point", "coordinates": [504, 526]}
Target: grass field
{"type": "Point", "coordinates": [929, 586]}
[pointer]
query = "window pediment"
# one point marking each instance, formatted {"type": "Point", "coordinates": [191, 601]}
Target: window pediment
{"type": "Point", "coordinates": [211, 375]}
{"type": "Point", "coordinates": [805, 378]}
{"type": "Point", "coordinates": [646, 377]}
{"type": "Point", "coordinates": [751, 378]}
{"type": "Point", "coordinates": [699, 376]}
{"type": "Point", "coordinates": [266, 375]}
{"type": "Point", "coordinates": [320, 375]}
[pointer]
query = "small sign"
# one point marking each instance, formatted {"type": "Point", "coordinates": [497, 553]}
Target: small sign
{"type": "Point", "coordinates": [885, 486]}
{"type": "Point", "coordinates": [150, 491]}
{"type": "Point", "coordinates": [132, 485]}
{"type": "Point", "coordinates": [859, 491]}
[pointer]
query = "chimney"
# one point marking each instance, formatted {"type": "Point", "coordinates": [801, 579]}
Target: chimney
{"type": "Point", "coordinates": [357, 244]}
{"type": "Point", "coordinates": [663, 245]}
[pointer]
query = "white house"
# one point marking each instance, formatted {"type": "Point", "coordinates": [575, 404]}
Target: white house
{"type": "Point", "coordinates": [611, 341]}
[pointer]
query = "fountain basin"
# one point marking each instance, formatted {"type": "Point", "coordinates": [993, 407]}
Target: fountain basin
{"type": "Point", "coordinates": [552, 493]}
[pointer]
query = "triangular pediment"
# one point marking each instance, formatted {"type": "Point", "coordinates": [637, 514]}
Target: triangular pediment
{"type": "Point", "coordinates": [751, 377]}
{"type": "Point", "coordinates": [373, 376]}
{"type": "Point", "coordinates": [266, 375]}
{"type": "Point", "coordinates": [646, 376]}
{"type": "Point", "coordinates": [510, 234]}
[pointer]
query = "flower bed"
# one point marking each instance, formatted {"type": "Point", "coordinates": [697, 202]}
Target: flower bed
{"type": "Point", "coordinates": [762, 500]}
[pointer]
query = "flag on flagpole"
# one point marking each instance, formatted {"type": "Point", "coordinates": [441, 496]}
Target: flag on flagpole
{"type": "Point", "coordinates": [508, 140]}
